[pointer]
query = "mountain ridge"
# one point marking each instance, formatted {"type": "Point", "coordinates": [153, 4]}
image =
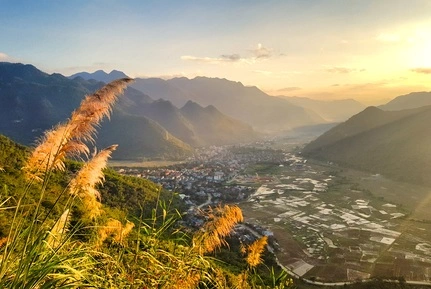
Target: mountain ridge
{"type": "Point", "coordinates": [32, 101]}
{"type": "Point", "coordinates": [248, 104]}
{"type": "Point", "coordinates": [100, 75]}
{"type": "Point", "coordinates": [396, 147]}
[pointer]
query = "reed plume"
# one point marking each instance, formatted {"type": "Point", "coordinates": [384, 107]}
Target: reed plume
{"type": "Point", "coordinates": [91, 174]}
{"type": "Point", "coordinates": [255, 251]}
{"type": "Point", "coordinates": [220, 224]}
{"type": "Point", "coordinates": [69, 139]}
{"type": "Point", "coordinates": [59, 230]}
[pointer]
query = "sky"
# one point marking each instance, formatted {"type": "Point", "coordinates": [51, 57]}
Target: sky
{"type": "Point", "coordinates": [369, 50]}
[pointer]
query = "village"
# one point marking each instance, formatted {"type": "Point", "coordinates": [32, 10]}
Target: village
{"type": "Point", "coordinates": [321, 227]}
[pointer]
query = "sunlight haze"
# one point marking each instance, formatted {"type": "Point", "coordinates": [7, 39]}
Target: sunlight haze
{"type": "Point", "coordinates": [371, 51]}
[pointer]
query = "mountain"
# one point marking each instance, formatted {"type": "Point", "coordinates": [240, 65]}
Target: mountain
{"type": "Point", "coordinates": [32, 101]}
{"type": "Point", "coordinates": [139, 138]}
{"type": "Point", "coordinates": [392, 143]}
{"type": "Point", "coordinates": [159, 88]}
{"type": "Point", "coordinates": [194, 124]}
{"type": "Point", "coordinates": [411, 100]}
{"type": "Point", "coordinates": [100, 75]}
{"type": "Point", "coordinates": [248, 104]}
{"type": "Point", "coordinates": [213, 127]}
{"type": "Point", "coordinates": [330, 110]}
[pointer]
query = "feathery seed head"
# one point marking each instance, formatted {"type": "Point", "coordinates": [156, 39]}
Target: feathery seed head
{"type": "Point", "coordinates": [68, 139]}
{"type": "Point", "coordinates": [255, 251]}
{"type": "Point", "coordinates": [220, 224]}
{"type": "Point", "coordinates": [91, 174]}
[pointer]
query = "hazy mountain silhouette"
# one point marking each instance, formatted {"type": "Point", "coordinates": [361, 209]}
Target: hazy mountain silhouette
{"type": "Point", "coordinates": [411, 100]}
{"type": "Point", "coordinates": [393, 143]}
{"type": "Point", "coordinates": [100, 75]}
{"type": "Point", "coordinates": [330, 110]}
{"type": "Point", "coordinates": [32, 101]}
{"type": "Point", "coordinates": [195, 125]}
{"type": "Point", "coordinates": [213, 127]}
{"type": "Point", "coordinates": [248, 104]}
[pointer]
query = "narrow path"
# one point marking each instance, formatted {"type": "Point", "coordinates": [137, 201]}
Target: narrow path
{"type": "Point", "coordinates": [207, 202]}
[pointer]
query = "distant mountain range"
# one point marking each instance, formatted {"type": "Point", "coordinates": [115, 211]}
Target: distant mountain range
{"type": "Point", "coordinates": [32, 101]}
{"type": "Point", "coordinates": [330, 110]}
{"type": "Point", "coordinates": [100, 75]}
{"type": "Point", "coordinates": [393, 143]}
{"type": "Point", "coordinates": [248, 104]}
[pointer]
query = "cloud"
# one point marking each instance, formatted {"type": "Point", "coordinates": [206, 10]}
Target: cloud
{"type": "Point", "coordinates": [231, 57]}
{"type": "Point", "coordinates": [226, 58]}
{"type": "Point", "coordinates": [343, 70]}
{"type": "Point", "coordinates": [292, 88]}
{"type": "Point", "coordinates": [258, 53]}
{"type": "Point", "coordinates": [261, 51]}
{"type": "Point", "coordinates": [423, 70]}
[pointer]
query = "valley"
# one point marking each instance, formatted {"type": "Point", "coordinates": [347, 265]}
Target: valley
{"type": "Point", "coordinates": [326, 223]}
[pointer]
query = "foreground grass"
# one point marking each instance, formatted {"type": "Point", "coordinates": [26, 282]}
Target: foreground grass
{"type": "Point", "coordinates": [55, 232]}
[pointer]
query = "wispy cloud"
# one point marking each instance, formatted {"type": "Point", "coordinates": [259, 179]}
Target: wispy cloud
{"type": "Point", "coordinates": [343, 70]}
{"type": "Point", "coordinates": [214, 60]}
{"type": "Point", "coordinates": [260, 52]}
{"type": "Point", "coordinates": [231, 57]}
{"type": "Point", "coordinates": [287, 89]}
{"type": "Point", "coordinates": [423, 70]}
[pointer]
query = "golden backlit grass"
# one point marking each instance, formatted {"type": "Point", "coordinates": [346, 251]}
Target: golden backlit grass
{"type": "Point", "coordinates": [69, 139]}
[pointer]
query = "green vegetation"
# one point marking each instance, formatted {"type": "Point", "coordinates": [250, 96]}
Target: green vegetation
{"type": "Point", "coordinates": [57, 234]}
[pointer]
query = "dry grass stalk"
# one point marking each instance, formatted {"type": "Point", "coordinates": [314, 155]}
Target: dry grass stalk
{"type": "Point", "coordinates": [255, 251]}
{"type": "Point", "coordinates": [60, 228]}
{"type": "Point", "coordinates": [68, 139]}
{"type": "Point", "coordinates": [91, 174]}
{"type": "Point", "coordinates": [115, 229]}
{"type": "Point", "coordinates": [220, 224]}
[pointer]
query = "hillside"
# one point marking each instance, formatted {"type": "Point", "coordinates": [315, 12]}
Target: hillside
{"type": "Point", "coordinates": [411, 100]}
{"type": "Point", "coordinates": [248, 104]}
{"type": "Point", "coordinates": [32, 101]}
{"type": "Point", "coordinates": [47, 230]}
{"type": "Point", "coordinates": [395, 144]}
{"type": "Point", "coordinates": [139, 138]}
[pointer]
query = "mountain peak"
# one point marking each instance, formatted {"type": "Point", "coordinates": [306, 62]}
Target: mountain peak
{"type": "Point", "coordinates": [191, 105]}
